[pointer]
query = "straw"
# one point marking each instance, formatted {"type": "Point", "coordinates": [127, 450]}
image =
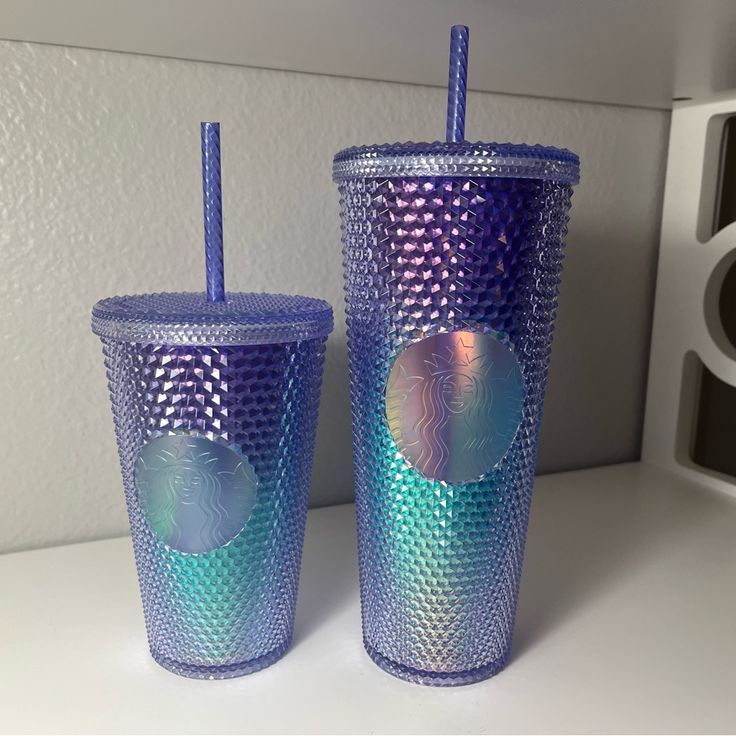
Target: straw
{"type": "Point", "coordinates": [212, 195]}
{"type": "Point", "coordinates": [457, 84]}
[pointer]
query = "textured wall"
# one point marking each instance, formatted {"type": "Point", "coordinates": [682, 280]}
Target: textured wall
{"type": "Point", "coordinates": [100, 195]}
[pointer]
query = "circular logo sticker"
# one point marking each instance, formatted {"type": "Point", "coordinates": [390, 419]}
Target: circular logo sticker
{"type": "Point", "coordinates": [453, 403]}
{"type": "Point", "coordinates": [196, 494]}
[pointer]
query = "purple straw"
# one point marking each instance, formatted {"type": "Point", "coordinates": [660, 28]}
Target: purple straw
{"type": "Point", "coordinates": [212, 194]}
{"type": "Point", "coordinates": [457, 84]}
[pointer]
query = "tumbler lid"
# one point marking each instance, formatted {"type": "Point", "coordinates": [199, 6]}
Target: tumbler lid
{"type": "Point", "coordinates": [502, 160]}
{"type": "Point", "coordinates": [186, 318]}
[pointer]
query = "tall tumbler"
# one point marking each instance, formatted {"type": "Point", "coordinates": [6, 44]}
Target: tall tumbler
{"type": "Point", "coordinates": [452, 255]}
{"type": "Point", "coordinates": [215, 407]}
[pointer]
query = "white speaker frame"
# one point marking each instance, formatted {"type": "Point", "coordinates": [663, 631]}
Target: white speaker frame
{"type": "Point", "coordinates": [692, 265]}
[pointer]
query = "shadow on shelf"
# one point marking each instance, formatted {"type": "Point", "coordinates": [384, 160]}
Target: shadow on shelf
{"type": "Point", "coordinates": [329, 578]}
{"type": "Point", "coordinates": [582, 543]}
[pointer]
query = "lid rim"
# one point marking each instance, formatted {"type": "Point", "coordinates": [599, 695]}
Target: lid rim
{"type": "Point", "coordinates": [186, 318]}
{"type": "Point", "coordinates": [497, 160]}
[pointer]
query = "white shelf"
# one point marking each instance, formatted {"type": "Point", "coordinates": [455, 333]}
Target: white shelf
{"type": "Point", "coordinates": [640, 52]}
{"type": "Point", "coordinates": [626, 623]}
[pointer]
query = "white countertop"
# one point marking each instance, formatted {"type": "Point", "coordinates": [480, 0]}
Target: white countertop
{"type": "Point", "coordinates": [627, 623]}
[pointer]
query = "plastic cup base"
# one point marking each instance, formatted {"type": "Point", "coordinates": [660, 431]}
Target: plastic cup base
{"type": "Point", "coordinates": [225, 671]}
{"type": "Point", "coordinates": [436, 679]}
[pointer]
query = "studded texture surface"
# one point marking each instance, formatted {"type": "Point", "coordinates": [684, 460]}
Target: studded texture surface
{"type": "Point", "coordinates": [440, 563]}
{"type": "Point", "coordinates": [228, 611]}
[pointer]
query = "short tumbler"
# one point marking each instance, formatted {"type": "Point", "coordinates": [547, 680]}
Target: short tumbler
{"type": "Point", "coordinates": [215, 408]}
{"type": "Point", "coordinates": [452, 255]}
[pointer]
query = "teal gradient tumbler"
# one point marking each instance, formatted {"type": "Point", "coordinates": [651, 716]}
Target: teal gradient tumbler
{"type": "Point", "coordinates": [215, 406]}
{"type": "Point", "coordinates": [452, 255]}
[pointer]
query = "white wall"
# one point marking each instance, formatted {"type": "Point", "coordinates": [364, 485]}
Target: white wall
{"type": "Point", "coordinates": [100, 195]}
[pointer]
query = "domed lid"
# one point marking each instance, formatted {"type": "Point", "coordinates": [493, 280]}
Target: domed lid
{"type": "Point", "coordinates": [186, 318]}
{"type": "Point", "coordinates": [508, 160]}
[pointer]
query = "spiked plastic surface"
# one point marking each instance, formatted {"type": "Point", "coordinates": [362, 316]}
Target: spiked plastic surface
{"type": "Point", "coordinates": [227, 611]}
{"type": "Point", "coordinates": [440, 561]}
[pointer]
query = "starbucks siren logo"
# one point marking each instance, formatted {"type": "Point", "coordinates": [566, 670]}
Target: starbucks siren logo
{"type": "Point", "coordinates": [196, 494]}
{"type": "Point", "coordinates": [454, 403]}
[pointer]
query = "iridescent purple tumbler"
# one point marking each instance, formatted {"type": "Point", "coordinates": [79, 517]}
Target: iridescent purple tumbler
{"type": "Point", "coordinates": [452, 254]}
{"type": "Point", "coordinates": [215, 398]}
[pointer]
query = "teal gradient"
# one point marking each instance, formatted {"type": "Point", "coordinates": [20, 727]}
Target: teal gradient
{"type": "Point", "coordinates": [246, 414]}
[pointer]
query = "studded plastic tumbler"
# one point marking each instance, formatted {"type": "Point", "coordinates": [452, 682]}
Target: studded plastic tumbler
{"type": "Point", "coordinates": [452, 255]}
{"type": "Point", "coordinates": [215, 407]}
